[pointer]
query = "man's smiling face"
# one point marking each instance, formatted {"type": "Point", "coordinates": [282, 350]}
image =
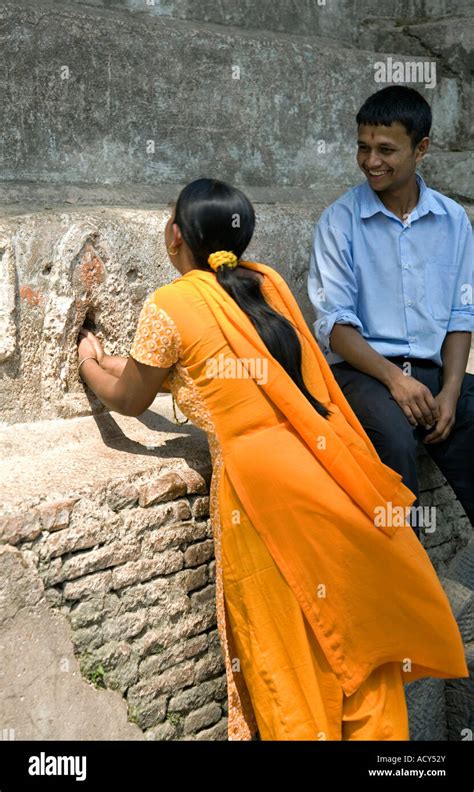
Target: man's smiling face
{"type": "Point", "coordinates": [386, 157]}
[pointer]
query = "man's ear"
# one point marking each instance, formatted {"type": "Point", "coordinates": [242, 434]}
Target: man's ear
{"type": "Point", "coordinates": [422, 148]}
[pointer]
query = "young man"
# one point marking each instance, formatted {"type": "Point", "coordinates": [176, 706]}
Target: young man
{"type": "Point", "coordinates": [391, 280]}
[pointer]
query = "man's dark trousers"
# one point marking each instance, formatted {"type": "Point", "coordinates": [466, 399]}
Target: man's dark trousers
{"type": "Point", "coordinates": [396, 440]}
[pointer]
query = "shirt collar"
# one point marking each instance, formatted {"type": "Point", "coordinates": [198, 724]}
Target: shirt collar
{"type": "Point", "coordinates": [370, 203]}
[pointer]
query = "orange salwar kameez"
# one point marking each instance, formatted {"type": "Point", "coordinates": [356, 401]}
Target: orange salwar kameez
{"type": "Point", "coordinates": [323, 615]}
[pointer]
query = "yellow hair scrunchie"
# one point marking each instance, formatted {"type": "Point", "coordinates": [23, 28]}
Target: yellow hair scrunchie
{"type": "Point", "coordinates": [222, 258]}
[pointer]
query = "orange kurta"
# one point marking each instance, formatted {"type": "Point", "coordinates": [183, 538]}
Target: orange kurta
{"type": "Point", "coordinates": [307, 487]}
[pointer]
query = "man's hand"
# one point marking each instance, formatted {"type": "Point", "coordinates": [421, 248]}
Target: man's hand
{"type": "Point", "coordinates": [415, 399]}
{"type": "Point", "coordinates": [446, 401]}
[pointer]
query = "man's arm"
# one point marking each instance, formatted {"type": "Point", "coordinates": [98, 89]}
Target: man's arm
{"type": "Point", "coordinates": [455, 354]}
{"type": "Point", "coordinates": [347, 342]}
{"type": "Point", "coordinates": [457, 343]}
{"type": "Point", "coordinates": [333, 291]}
{"type": "Point", "coordinates": [332, 285]}
{"type": "Point", "coordinates": [414, 398]}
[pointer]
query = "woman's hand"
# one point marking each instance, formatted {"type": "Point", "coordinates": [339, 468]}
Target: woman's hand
{"type": "Point", "coordinates": [88, 344]}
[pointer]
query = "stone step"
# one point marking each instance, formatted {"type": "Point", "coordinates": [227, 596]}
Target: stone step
{"type": "Point", "coordinates": [18, 198]}
{"type": "Point", "coordinates": [343, 20]}
{"type": "Point", "coordinates": [109, 98]}
{"type": "Point", "coordinates": [460, 702]}
{"type": "Point", "coordinates": [451, 173]}
{"type": "Point", "coordinates": [461, 597]}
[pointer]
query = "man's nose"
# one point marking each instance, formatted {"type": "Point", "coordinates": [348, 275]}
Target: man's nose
{"type": "Point", "coordinates": [373, 160]}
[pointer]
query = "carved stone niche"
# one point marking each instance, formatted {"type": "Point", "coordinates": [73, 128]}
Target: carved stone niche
{"type": "Point", "coordinates": [87, 285]}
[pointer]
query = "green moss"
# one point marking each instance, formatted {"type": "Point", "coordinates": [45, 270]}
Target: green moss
{"type": "Point", "coordinates": [96, 675]}
{"type": "Point", "coordinates": [174, 718]}
{"type": "Point", "coordinates": [133, 714]}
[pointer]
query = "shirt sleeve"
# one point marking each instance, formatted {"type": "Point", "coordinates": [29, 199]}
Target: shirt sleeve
{"type": "Point", "coordinates": [157, 341]}
{"type": "Point", "coordinates": [332, 286]}
{"type": "Point", "coordinates": [462, 312]}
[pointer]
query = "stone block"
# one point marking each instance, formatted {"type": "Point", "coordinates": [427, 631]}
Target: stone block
{"type": "Point", "coordinates": [19, 527]}
{"type": "Point", "coordinates": [199, 553]}
{"type": "Point", "coordinates": [426, 709]}
{"type": "Point", "coordinates": [461, 567]}
{"type": "Point", "coordinates": [461, 600]}
{"type": "Point", "coordinates": [88, 586]}
{"type": "Point", "coordinates": [460, 702]}
{"type": "Point", "coordinates": [168, 487]}
{"type": "Point", "coordinates": [205, 716]}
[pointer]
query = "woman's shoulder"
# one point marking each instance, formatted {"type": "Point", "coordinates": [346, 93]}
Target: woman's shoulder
{"type": "Point", "coordinates": [168, 291]}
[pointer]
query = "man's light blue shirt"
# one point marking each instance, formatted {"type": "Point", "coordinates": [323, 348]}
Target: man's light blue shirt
{"type": "Point", "coordinates": [403, 285]}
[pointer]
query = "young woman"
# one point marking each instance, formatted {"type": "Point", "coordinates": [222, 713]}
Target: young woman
{"type": "Point", "coordinates": [324, 609]}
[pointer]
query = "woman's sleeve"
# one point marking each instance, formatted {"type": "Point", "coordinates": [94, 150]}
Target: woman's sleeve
{"type": "Point", "coordinates": [157, 341]}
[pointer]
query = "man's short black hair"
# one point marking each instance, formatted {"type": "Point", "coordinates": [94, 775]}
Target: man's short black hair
{"type": "Point", "coordinates": [398, 103]}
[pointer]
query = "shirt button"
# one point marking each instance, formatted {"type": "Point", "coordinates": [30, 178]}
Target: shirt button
{"type": "Point", "coordinates": [411, 339]}
{"type": "Point", "coordinates": [404, 266]}
{"type": "Point", "coordinates": [409, 302]}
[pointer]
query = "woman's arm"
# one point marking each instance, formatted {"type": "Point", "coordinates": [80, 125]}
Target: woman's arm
{"type": "Point", "coordinates": [114, 364]}
{"type": "Point", "coordinates": [129, 393]}
{"type": "Point", "coordinates": [123, 384]}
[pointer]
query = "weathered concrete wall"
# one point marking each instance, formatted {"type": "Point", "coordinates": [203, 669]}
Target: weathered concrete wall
{"type": "Point", "coordinates": [46, 696]}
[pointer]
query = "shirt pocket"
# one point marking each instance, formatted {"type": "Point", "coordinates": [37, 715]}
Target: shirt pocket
{"type": "Point", "coordinates": [440, 283]}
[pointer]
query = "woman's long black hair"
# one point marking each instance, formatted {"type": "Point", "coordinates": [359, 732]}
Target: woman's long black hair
{"type": "Point", "coordinates": [212, 215]}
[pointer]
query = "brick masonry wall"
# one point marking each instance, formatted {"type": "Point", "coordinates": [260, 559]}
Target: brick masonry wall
{"type": "Point", "coordinates": [132, 567]}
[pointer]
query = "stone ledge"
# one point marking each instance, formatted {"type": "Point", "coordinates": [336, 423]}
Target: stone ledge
{"type": "Point", "coordinates": [50, 464]}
